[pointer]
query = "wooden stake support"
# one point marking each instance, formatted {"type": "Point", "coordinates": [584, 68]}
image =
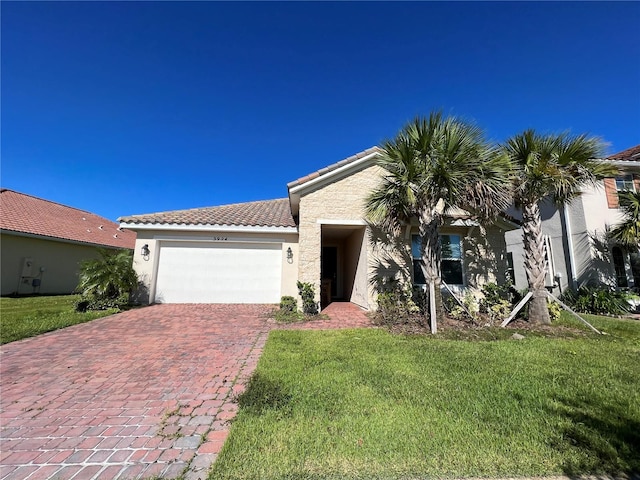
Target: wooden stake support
{"type": "Point", "coordinates": [528, 296]}
{"type": "Point", "coordinates": [517, 308]}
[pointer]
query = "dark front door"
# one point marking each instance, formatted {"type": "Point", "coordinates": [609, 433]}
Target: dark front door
{"type": "Point", "coordinates": [329, 266]}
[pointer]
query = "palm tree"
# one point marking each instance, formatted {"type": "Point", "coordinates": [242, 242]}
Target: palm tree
{"type": "Point", "coordinates": [555, 167]}
{"type": "Point", "coordinates": [432, 165]}
{"type": "Point", "coordinates": [627, 232]}
{"type": "Point", "coordinates": [109, 277]}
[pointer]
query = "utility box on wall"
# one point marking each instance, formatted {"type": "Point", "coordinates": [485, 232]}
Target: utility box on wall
{"type": "Point", "coordinates": [27, 267]}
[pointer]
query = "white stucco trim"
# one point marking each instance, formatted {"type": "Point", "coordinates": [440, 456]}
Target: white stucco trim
{"type": "Point", "coordinates": [329, 175]}
{"type": "Point", "coordinates": [208, 228]}
{"type": "Point", "coordinates": [223, 240]}
{"type": "Point", "coordinates": [355, 223]}
{"type": "Point", "coordinates": [624, 163]}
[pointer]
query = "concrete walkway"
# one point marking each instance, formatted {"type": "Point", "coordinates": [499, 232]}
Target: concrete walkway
{"type": "Point", "coordinates": [144, 393]}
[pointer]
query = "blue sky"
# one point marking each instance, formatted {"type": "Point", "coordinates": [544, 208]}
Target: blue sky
{"type": "Point", "coordinates": [122, 108]}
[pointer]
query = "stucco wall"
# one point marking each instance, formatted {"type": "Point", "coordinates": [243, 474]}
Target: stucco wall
{"type": "Point", "coordinates": [146, 268]}
{"type": "Point", "coordinates": [341, 200]}
{"type": "Point", "coordinates": [485, 254]}
{"type": "Point", "coordinates": [588, 216]}
{"type": "Point", "coordinates": [60, 261]}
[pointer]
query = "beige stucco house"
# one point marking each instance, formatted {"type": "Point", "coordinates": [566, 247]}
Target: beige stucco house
{"type": "Point", "coordinates": [43, 243]}
{"type": "Point", "coordinates": [256, 252]}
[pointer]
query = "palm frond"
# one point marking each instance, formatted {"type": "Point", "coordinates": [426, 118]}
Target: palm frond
{"type": "Point", "coordinates": [627, 232]}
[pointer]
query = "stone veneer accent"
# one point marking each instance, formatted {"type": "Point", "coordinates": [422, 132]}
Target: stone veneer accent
{"type": "Point", "coordinates": [342, 199]}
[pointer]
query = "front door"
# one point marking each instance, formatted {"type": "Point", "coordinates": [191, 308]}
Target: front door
{"type": "Point", "coordinates": [329, 268]}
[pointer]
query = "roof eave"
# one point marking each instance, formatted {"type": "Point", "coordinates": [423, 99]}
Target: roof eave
{"type": "Point", "coordinates": [18, 233]}
{"type": "Point", "coordinates": [210, 228]}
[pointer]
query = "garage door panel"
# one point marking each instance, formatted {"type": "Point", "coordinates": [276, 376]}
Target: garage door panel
{"type": "Point", "coordinates": [219, 273]}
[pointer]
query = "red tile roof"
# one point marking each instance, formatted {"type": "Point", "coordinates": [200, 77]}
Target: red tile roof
{"type": "Point", "coordinates": [31, 215]}
{"type": "Point", "coordinates": [264, 213]}
{"type": "Point", "coordinates": [330, 168]}
{"type": "Point", "coordinates": [629, 155]}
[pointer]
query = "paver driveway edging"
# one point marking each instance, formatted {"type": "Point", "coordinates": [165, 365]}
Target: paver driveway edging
{"type": "Point", "coordinates": [146, 392]}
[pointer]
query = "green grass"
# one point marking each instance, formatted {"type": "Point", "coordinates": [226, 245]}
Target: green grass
{"type": "Point", "coordinates": [29, 316]}
{"type": "Point", "coordinates": [368, 404]}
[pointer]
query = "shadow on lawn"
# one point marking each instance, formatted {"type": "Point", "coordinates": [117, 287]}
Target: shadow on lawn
{"type": "Point", "coordinates": [606, 438]}
{"type": "Point", "coordinates": [264, 394]}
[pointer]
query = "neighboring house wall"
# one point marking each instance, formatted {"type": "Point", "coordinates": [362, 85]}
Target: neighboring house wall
{"type": "Point", "coordinates": [147, 268]}
{"type": "Point", "coordinates": [577, 234]}
{"type": "Point", "coordinates": [55, 263]}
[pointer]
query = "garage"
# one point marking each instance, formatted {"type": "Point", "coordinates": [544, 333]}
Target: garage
{"type": "Point", "coordinates": [224, 272]}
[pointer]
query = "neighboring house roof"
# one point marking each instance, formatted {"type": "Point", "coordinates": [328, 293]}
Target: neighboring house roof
{"type": "Point", "coordinates": [629, 155]}
{"type": "Point", "coordinates": [265, 213]}
{"type": "Point", "coordinates": [25, 214]}
{"type": "Point", "coordinates": [332, 167]}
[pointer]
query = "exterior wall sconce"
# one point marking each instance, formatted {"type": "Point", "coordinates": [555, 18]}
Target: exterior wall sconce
{"type": "Point", "coordinates": [145, 251]}
{"type": "Point", "coordinates": [289, 255]}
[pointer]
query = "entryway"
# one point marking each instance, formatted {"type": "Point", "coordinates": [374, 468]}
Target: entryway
{"type": "Point", "coordinates": [343, 265]}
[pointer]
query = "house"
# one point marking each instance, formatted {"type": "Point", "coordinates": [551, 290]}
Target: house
{"type": "Point", "coordinates": [43, 242]}
{"type": "Point", "coordinates": [256, 252]}
{"type": "Point", "coordinates": [578, 250]}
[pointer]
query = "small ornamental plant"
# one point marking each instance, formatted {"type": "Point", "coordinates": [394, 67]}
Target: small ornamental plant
{"type": "Point", "coordinates": [308, 295]}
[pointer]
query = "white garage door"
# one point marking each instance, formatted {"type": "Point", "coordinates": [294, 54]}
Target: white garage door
{"type": "Point", "coordinates": [219, 273]}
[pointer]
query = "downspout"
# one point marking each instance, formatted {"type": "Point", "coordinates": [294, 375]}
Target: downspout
{"type": "Point", "coordinates": [572, 257]}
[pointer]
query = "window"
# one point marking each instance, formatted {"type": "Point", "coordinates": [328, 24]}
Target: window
{"type": "Point", "coordinates": [625, 183]}
{"type": "Point", "coordinates": [451, 265]}
{"type": "Point", "coordinates": [510, 274]}
{"type": "Point", "coordinates": [618, 265]}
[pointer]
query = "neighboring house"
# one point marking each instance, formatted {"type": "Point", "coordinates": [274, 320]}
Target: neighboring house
{"type": "Point", "coordinates": [43, 243]}
{"type": "Point", "coordinates": [256, 252]}
{"type": "Point", "coordinates": [578, 250]}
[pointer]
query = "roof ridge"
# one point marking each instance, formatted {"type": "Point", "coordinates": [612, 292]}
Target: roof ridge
{"type": "Point", "coordinates": [195, 209]}
{"type": "Point", "coordinates": [2, 190]}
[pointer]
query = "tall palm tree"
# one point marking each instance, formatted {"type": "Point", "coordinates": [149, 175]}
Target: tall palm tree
{"type": "Point", "coordinates": [627, 232]}
{"type": "Point", "coordinates": [434, 164]}
{"type": "Point", "coordinates": [555, 167]}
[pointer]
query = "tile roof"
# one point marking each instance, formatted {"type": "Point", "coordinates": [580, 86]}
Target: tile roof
{"type": "Point", "coordinates": [330, 168]}
{"type": "Point", "coordinates": [629, 155]}
{"type": "Point", "coordinates": [31, 215]}
{"type": "Point", "coordinates": [264, 213]}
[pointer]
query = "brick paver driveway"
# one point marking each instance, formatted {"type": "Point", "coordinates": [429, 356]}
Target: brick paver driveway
{"type": "Point", "coordinates": [143, 393]}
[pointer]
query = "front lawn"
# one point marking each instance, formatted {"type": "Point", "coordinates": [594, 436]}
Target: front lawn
{"type": "Point", "coordinates": [369, 404]}
{"type": "Point", "coordinates": [29, 316]}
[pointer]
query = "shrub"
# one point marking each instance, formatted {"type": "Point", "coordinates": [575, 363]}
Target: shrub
{"type": "Point", "coordinates": [398, 302]}
{"type": "Point", "coordinates": [288, 304]}
{"type": "Point", "coordinates": [308, 295]}
{"type": "Point", "coordinates": [288, 311]}
{"type": "Point", "coordinates": [597, 300]}
{"type": "Point", "coordinates": [107, 281]}
{"type": "Point", "coordinates": [468, 310]}
{"type": "Point", "coordinates": [554, 310]}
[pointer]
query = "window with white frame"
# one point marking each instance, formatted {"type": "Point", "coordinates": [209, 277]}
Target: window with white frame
{"type": "Point", "coordinates": [451, 264]}
{"type": "Point", "coordinates": [625, 184]}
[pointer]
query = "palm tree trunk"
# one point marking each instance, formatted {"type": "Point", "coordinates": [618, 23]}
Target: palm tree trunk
{"type": "Point", "coordinates": [535, 263]}
{"type": "Point", "coordinates": [431, 253]}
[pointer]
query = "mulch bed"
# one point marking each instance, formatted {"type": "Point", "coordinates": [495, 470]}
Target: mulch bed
{"type": "Point", "coordinates": [482, 329]}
